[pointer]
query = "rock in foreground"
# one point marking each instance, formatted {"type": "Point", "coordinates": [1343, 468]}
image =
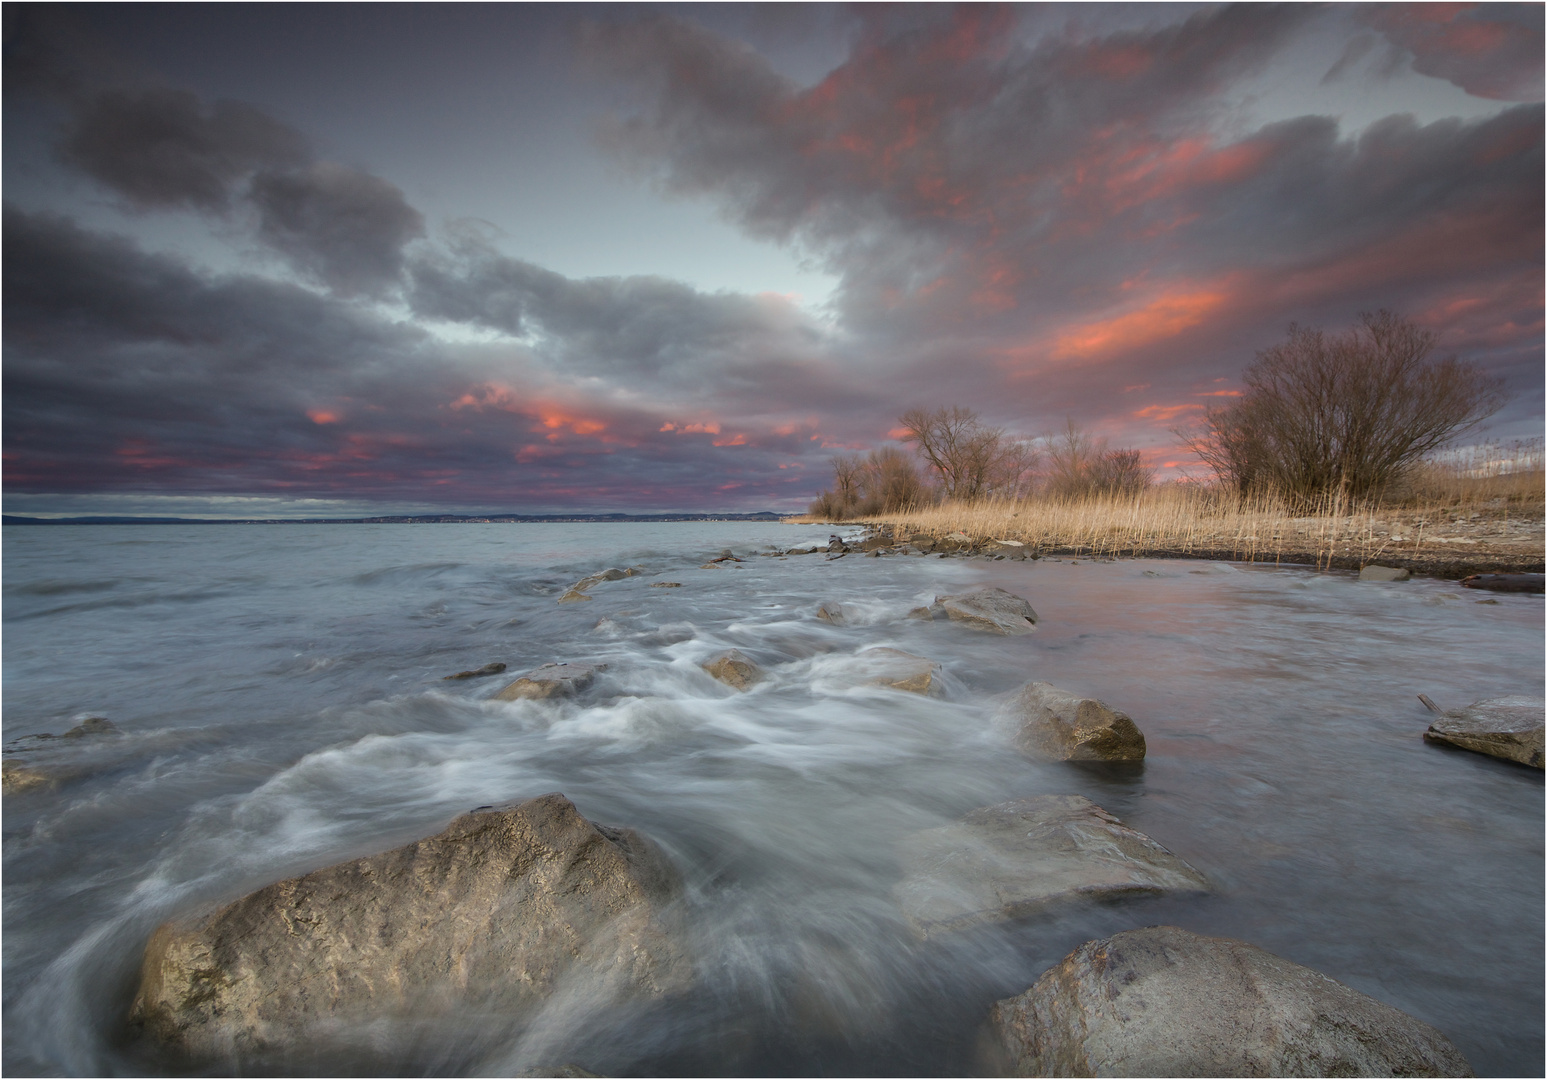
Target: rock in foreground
{"type": "Point", "coordinates": [1002, 862]}
{"type": "Point", "coordinates": [1061, 726]}
{"type": "Point", "coordinates": [551, 680]}
{"type": "Point", "coordinates": [993, 610]}
{"type": "Point", "coordinates": [496, 912]}
{"type": "Point", "coordinates": [1506, 727]}
{"type": "Point", "coordinates": [735, 669]}
{"type": "Point", "coordinates": [899, 670]}
{"type": "Point", "coordinates": [1166, 1002]}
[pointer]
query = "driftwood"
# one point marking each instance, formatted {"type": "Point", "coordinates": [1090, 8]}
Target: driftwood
{"type": "Point", "coordinates": [1528, 583]}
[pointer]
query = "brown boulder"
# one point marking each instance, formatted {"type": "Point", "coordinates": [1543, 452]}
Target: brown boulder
{"type": "Point", "coordinates": [993, 610]}
{"type": "Point", "coordinates": [1506, 727]}
{"type": "Point", "coordinates": [551, 680]}
{"type": "Point", "coordinates": [496, 912]}
{"type": "Point", "coordinates": [1061, 726]}
{"type": "Point", "coordinates": [1006, 861]}
{"type": "Point", "coordinates": [899, 670]}
{"type": "Point", "coordinates": [17, 776]}
{"type": "Point", "coordinates": [1165, 1002]}
{"type": "Point", "coordinates": [735, 669]}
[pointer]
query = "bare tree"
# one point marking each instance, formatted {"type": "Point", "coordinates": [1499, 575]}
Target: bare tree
{"type": "Point", "coordinates": [883, 481]}
{"type": "Point", "coordinates": [969, 459]}
{"type": "Point", "coordinates": [1081, 464]}
{"type": "Point", "coordinates": [1345, 412]}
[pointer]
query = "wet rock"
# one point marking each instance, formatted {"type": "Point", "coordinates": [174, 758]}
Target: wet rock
{"type": "Point", "coordinates": [1526, 583]}
{"type": "Point", "coordinates": [17, 776]}
{"type": "Point", "coordinates": [1010, 549]}
{"type": "Point", "coordinates": [1162, 1001]}
{"type": "Point", "coordinates": [734, 668]}
{"type": "Point", "coordinates": [925, 613]}
{"type": "Point", "coordinates": [477, 673]}
{"type": "Point", "coordinates": [1006, 861]}
{"type": "Point", "coordinates": [832, 613]}
{"type": "Point", "coordinates": [496, 912]}
{"type": "Point", "coordinates": [835, 545]}
{"type": "Point", "coordinates": [92, 725]}
{"type": "Point", "coordinates": [577, 591]}
{"type": "Point", "coordinates": [1506, 727]}
{"type": "Point", "coordinates": [1061, 726]}
{"type": "Point", "coordinates": [551, 680]}
{"type": "Point", "coordinates": [573, 596]}
{"type": "Point", "coordinates": [1384, 573]}
{"type": "Point", "coordinates": [809, 549]}
{"type": "Point", "coordinates": [923, 541]}
{"type": "Point", "coordinates": [993, 610]}
{"type": "Point", "coordinates": [666, 585]}
{"type": "Point", "coordinates": [899, 670]}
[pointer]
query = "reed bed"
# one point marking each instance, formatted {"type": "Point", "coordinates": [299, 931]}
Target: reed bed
{"type": "Point", "coordinates": [1199, 520]}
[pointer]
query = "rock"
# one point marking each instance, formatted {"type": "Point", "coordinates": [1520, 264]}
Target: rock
{"type": "Point", "coordinates": [496, 912]}
{"type": "Point", "coordinates": [17, 776]}
{"type": "Point", "coordinates": [809, 549]}
{"type": "Point", "coordinates": [1162, 1001]}
{"type": "Point", "coordinates": [573, 596]}
{"type": "Point", "coordinates": [576, 592]}
{"type": "Point", "coordinates": [666, 585]}
{"type": "Point", "coordinates": [551, 680]}
{"type": "Point", "coordinates": [836, 544]}
{"type": "Point", "coordinates": [477, 673]}
{"type": "Point", "coordinates": [832, 613]}
{"type": "Point", "coordinates": [734, 668]}
{"type": "Point", "coordinates": [1002, 862]}
{"type": "Point", "coordinates": [925, 613]}
{"type": "Point", "coordinates": [993, 610]}
{"type": "Point", "coordinates": [1010, 549]}
{"type": "Point", "coordinates": [875, 543]}
{"type": "Point", "coordinates": [899, 670]}
{"type": "Point", "coordinates": [922, 541]}
{"type": "Point", "coordinates": [1384, 573]}
{"type": "Point", "coordinates": [92, 725]}
{"type": "Point", "coordinates": [1527, 583]}
{"type": "Point", "coordinates": [1062, 726]}
{"type": "Point", "coordinates": [1506, 727]}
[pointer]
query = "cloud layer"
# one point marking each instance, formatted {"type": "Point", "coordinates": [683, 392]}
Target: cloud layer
{"type": "Point", "coordinates": [1029, 218]}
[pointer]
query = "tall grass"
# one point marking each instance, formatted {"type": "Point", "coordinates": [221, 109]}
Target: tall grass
{"type": "Point", "coordinates": [1200, 519]}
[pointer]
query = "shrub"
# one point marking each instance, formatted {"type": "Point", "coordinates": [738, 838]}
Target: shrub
{"type": "Point", "coordinates": [1079, 465]}
{"type": "Point", "coordinates": [1343, 413]}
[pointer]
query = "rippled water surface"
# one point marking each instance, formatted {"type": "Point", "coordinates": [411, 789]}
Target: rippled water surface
{"type": "Point", "coordinates": [279, 690]}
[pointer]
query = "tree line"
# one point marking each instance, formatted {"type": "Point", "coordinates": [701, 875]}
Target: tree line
{"type": "Point", "coordinates": [1348, 414]}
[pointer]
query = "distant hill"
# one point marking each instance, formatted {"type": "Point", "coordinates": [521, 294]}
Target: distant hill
{"type": "Point", "coordinates": [395, 519]}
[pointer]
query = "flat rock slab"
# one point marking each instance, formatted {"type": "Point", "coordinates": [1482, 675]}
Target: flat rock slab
{"type": "Point", "coordinates": [1162, 1001]}
{"type": "Point", "coordinates": [734, 668]}
{"type": "Point", "coordinates": [899, 670]}
{"type": "Point", "coordinates": [993, 610]}
{"type": "Point", "coordinates": [1526, 583]}
{"type": "Point", "coordinates": [1006, 861]}
{"type": "Point", "coordinates": [1060, 726]}
{"type": "Point", "coordinates": [507, 904]}
{"type": "Point", "coordinates": [1384, 573]}
{"type": "Point", "coordinates": [550, 681]}
{"type": "Point", "coordinates": [1506, 727]}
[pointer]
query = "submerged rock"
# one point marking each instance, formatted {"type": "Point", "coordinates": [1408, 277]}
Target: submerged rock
{"type": "Point", "coordinates": [734, 668]}
{"type": "Point", "coordinates": [577, 591]}
{"type": "Point", "coordinates": [993, 610]}
{"type": "Point", "coordinates": [551, 680]}
{"type": "Point", "coordinates": [497, 911]}
{"type": "Point", "coordinates": [1506, 727]}
{"type": "Point", "coordinates": [1162, 1001]}
{"type": "Point", "coordinates": [1062, 726]}
{"type": "Point", "coordinates": [17, 776]}
{"type": "Point", "coordinates": [832, 613]}
{"type": "Point", "coordinates": [476, 673]}
{"type": "Point", "coordinates": [1384, 573]}
{"type": "Point", "coordinates": [666, 585]}
{"type": "Point", "coordinates": [899, 670]}
{"type": "Point", "coordinates": [1526, 583]}
{"type": "Point", "coordinates": [1005, 861]}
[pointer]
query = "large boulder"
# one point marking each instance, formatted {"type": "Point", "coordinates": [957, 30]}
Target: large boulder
{"type": "Point", "coordinates": [1384, 573]}
{"type": "Point", "coordinates": [993, 610]}
{"type": "Point", "coordinates": [1165, 1002]}
{"type": "Point", "coordinates": [883, 666]}
{"type": "Point", "coordinates": [1062, 726]}
{"type": "Point", "coordinates": [550, 681]}
{"type": "Point", "coordinates": [1506, 727]}
{"type": "Point", "coordinates": [497, 912]}
{"type": "Point", "coordinates": [1010, 549]}
{"type": "Point", "coordinates": [1006, 861]}
{"type": "Point", "coordinates": [735, 669]}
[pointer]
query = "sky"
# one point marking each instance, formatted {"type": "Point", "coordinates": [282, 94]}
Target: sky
{"type": "Point", "coordinates": [320, 260]}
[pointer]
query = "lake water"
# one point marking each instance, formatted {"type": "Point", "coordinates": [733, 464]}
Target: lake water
{"type": "Point", "coordinates": [279, 692]}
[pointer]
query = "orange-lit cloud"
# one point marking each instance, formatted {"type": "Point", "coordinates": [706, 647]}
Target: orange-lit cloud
{"type": "Point", "coordinates": [1165, 412]}
{"type": "Point", "coordinates": [322, 416]}
{"type": "Point", "coordinates": [1166, 316]}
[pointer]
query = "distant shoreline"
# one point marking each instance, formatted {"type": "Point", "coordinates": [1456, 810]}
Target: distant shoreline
{"type": "Point", "coordinates": [765, 516]}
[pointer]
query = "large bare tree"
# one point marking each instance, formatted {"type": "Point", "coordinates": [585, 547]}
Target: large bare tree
{"type": "Point", "coordinates": [970, 460]}
{"type": "Point", "coordinates": [1344, 413]}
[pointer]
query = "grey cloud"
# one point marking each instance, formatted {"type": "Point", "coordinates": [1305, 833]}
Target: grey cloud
{"type": "Point", "coordinates": [345, 227]}
{"type": "Point", "coordinates": [163, 148]}
{"type": "Point", "coordinates": [1490, 50]}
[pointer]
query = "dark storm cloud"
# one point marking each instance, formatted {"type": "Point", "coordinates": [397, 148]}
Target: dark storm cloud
{"type": "Point", "coordinates": [162, 148]}
{"type": "Point", "coordinates": [1023, 222]}
{"type": "Point", "coordinates": [1490, 50]}
{"type": "Point", "coordinates": [131, 371]}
